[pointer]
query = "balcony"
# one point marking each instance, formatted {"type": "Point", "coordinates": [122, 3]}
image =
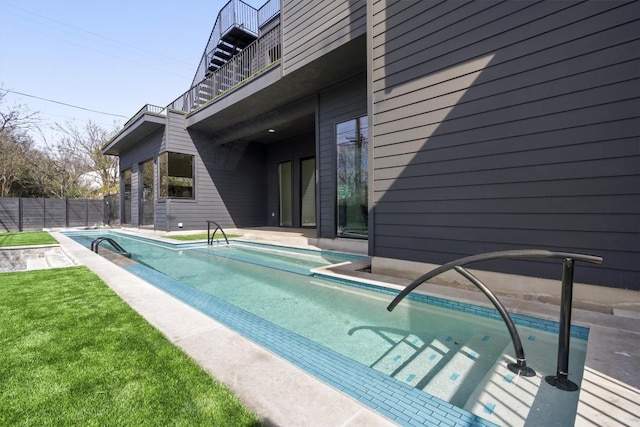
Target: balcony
{"type": "Point", "coordinates": [147, 120]}
{"type": "Point", "coordinates": [254, 59]}
{"type": "Point", "coordinates": [237, 25]}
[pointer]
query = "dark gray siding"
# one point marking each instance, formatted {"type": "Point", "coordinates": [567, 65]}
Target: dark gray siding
{"type": "Point", "coordinates": [294, 151]}
{"type": "Point", "coordinates": [335, 105]}
{"type": "Point", "coordinates": [310, 29]}
{"type": "Point", "coordinates": [232, 184]}
{"type": "Point", "coordinates": [507, 126]}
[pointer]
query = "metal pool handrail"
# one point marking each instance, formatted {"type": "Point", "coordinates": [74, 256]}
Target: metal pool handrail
{"type": "Point", "coordinates": [211, 236]}
{"type": "Point", "coordinates": [96, 242]}
{"type": "Point", "coordinates": [560, 380]}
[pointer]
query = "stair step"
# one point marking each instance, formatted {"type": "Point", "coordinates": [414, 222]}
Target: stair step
{"type": "Point", "coordinates": [455, 381]}
{"type": "Point", "coordinates": [411, 359]}
{"type": "Point", "coordinates": [508, 399]}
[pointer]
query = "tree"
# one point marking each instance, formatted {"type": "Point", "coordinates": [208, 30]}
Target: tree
{"type": "Point", "coordinates": [15, 143]}
{"type": "Point", "coordinates": [80, 151]}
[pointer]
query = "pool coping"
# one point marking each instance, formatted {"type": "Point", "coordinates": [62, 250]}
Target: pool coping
{"type": "Point", "coordinates": [287, 395]}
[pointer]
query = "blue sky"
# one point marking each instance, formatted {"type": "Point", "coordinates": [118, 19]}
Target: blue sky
{"type": "Point", "coordinates": [110, 56]}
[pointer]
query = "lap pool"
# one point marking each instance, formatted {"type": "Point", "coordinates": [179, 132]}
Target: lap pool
{"type": "Point", "coordinates": [429, 362]}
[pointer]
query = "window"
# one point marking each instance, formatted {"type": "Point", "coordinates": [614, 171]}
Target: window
{"type": "Point", "coordinates": [352, 180]}
{"type": "Point", "coordinates": [126, 206]}
{"type": "Point", "coordinates": [175, 172]}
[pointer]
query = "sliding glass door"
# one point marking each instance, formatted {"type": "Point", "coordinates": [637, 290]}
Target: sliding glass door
{"type": "Point", "coordinates": [308, 192]}
{"type": "Point", "coordinates": [284, 185]}
{"type": "Point", "coordinates": [352, 179]}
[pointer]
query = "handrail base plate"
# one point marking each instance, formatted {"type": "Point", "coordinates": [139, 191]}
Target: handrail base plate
{"type": "Point", "coordinates": [561, 383]}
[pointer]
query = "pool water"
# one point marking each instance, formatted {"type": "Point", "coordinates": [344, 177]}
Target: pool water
{"type": "Point", "coordinates": [456, 356]}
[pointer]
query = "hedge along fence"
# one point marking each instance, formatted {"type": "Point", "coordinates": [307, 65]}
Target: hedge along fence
{"type": "Point", "coordinates": [20, 214]}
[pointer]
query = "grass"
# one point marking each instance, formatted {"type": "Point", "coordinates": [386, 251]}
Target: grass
{"type": "Point", "coordinates": [200, 236]}
{"type": "Point", "coordinates": [73, 353]}
{"type": "Point", "coordinates": [26, 238]}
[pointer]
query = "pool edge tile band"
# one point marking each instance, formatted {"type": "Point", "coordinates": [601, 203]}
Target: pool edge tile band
{"type": "Point", "coordinates": [577, 331]}
{"type": "Point", "coordinates": [380, 392]}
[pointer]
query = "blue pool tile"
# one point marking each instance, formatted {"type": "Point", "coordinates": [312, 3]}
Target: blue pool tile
{"type": "Point", "coordinates": [485, 338]}
{"type": "Point", "coordinates": [454, 377]}
{"type": "Point", "coordinates": [410, 377]}
{"type": "Point", "coordinates": [531, 337]}
{"type": "Point", "coordinates": [397, 357]}
{"type": "Point", "coordinates": [432, 356]}
{"type": "Point", "coordinates": [508, 378]}
{"type": "Point", "coordinates": [489, 407]}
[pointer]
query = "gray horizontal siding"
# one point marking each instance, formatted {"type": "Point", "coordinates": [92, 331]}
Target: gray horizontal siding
{"type": "Point", "coordinates": [230, 182]}
{"type": "Point", "coordinates": [313, 28]}
{"type": "Point", "coordinates": [340, 103]}
{"type": "Point", "coordinates": [510, 125]}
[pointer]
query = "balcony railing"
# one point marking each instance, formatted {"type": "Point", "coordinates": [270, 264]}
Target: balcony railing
{"type": "Point", "coordinates": [268, 11]}
{"type": "Point", "coordinates": [149, 108]}
{"type": "Point", "coordinates": [234, 13]}
{"type": "Point", "coordinates": [254, 59]}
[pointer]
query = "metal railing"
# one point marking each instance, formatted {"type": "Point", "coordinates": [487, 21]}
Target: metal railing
{"type": "Point", "coordinates": [268, 11]}
{"type": "Point", "coordinates": [247, 64]}
{"type": "Point", "coordinates": [211, 236]}
{"type": "Point", "coordinates": [148, 108]}
{"type": "Point", "coordinates": [234, 13]}
{"type": "Point", "coordinates": [560, 380]}
{"type": "Point", "coordinates": [96, 243]}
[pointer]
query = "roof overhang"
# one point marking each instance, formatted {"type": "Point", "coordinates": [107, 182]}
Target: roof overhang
{"type": "Point", "coordinates": [271, 98]}
{"type": "Point", "coordinates": [134, 132]}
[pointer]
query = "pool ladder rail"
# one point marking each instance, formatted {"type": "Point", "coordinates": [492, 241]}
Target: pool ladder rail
{"type": "Point", "coordinates": [119, 249]}
{"type": "Point", "coordinates": [210, 235]}
{"type": "Point", "coordinates": [560, 380]}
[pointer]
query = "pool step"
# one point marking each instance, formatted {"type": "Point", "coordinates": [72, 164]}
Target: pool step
{"type": "Point", "coordinates": [447, 367]}
{"type": "Point", "coordinates": [411, 359]}
{"type": "Point", "coordinates": [467, 367]}
{"type": "Point", "coordinates": [508, 399]}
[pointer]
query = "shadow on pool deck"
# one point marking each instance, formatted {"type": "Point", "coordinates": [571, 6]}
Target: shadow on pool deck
{"type": "Point", "coordinates": [282, 394]}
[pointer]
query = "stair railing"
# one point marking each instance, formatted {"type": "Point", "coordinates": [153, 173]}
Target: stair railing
{"type": "Point", "coordinates": [560, 380]}
{"type": "Point", "coordinates": [211, 236]}
{"type": "Point", "coordinates": [96, 242]}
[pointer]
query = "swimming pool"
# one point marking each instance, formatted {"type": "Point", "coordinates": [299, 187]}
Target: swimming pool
{"type": "Point", "coordinates": [342, 333]}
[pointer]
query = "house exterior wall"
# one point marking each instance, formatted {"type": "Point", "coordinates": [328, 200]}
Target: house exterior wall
{"type": "Point", "coordinates": [310, 29]}
{"type": "Point", "coordinates": [507, 126]}
{"type": "Point", "coordinates": [337, 104]}
{"type": "Point", "coordinates": [230, 183]}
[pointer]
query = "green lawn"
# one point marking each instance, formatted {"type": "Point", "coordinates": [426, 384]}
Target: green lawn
{"type": "Point", "coordinates": [200, 236]}
{"type": "Point", "coordinates": [73, 353]}
{"type": "Point", "coordinates": [26, 238]}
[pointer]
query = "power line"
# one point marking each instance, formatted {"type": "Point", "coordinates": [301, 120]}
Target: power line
{"type": "Point", "coordinates": [159, 55]}
{"type": "Point", "coordinates": [64, 103]}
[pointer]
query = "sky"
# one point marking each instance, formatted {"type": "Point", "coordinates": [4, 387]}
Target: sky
{"type": "Point", "coordinates": [110, 56]}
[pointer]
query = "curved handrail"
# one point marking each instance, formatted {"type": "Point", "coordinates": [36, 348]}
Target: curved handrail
{"type": "Point", "coordinates": [96, 243]}
{"type": "Point", "coordinates": [517, 254]}
{"type": "Point", "coordinates": [560, 380]}
{"type": "Point", "coordinates": [211, 236]}
{"type": "Point", "coordinates": [520, 367]}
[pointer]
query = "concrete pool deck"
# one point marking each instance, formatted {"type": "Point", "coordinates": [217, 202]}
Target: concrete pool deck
{"type": "Point", "coordinates": [282, 394]}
